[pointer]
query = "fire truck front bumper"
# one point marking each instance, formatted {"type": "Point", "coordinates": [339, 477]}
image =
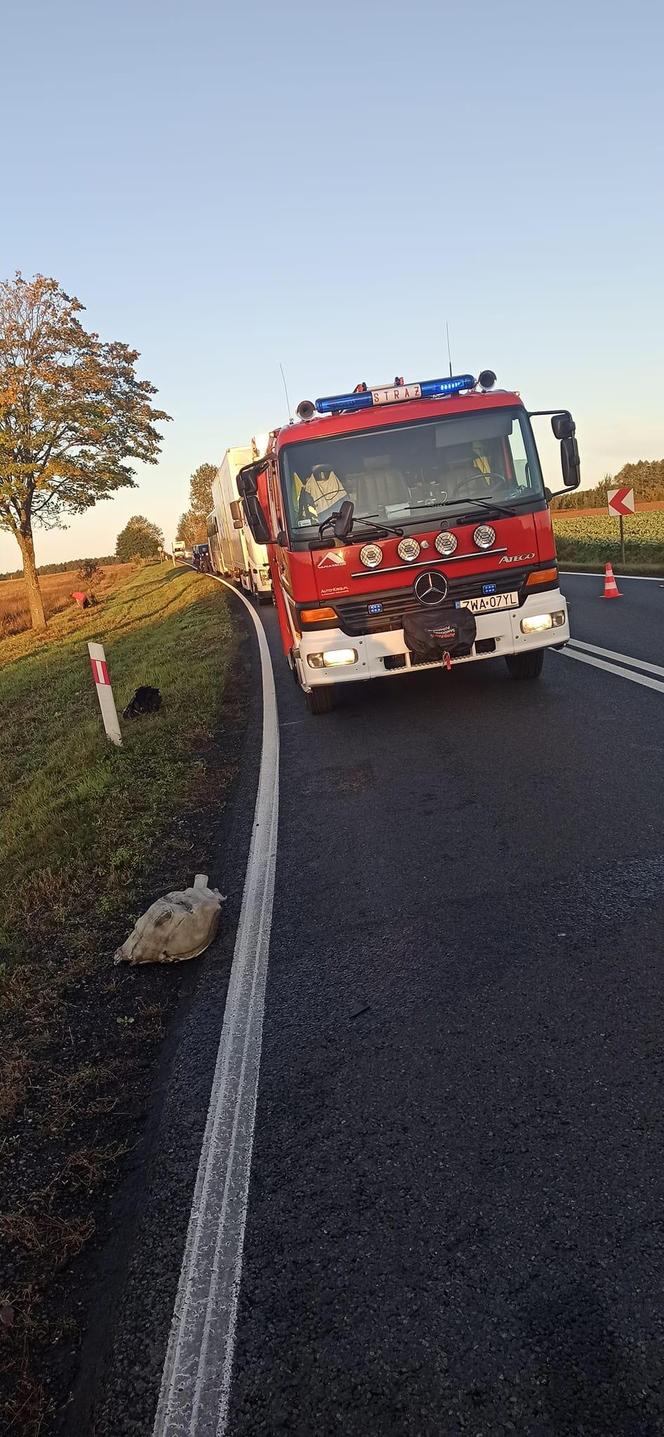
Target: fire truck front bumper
{"type": "Point", "coordinates": [331, 656]}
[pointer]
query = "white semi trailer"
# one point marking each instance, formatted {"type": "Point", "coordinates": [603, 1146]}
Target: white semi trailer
{"type": "Point", "coordinates": [234, 553]}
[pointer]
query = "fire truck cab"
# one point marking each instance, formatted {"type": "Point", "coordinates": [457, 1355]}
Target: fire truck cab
{"type": "Point", "coordinates": [408, 526]}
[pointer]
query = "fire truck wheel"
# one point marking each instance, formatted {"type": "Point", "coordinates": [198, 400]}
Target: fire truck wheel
{"type": "Point", "coordinates": [525, 666]}
{"type": "Point", "coordinates": [320, 701]}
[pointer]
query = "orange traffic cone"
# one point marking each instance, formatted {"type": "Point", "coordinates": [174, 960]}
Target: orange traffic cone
{"type": "Point", "coordinates": [611, 590]}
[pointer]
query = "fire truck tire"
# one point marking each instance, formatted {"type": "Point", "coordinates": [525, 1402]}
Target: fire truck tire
{"type": "Point", "coordinates": [320, 700]}
{"type": "Point", "coordinates": [525, 666]}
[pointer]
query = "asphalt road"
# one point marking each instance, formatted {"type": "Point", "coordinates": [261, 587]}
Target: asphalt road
{"type": "Point", "coordinates": [456, 1209]}
{"type": "Point", "coordinates": [456, 1203]}
{"type": "Point", "coordinates": [631, 625]}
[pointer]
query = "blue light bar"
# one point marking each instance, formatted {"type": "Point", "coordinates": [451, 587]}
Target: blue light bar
{"type": "Point", "coordinates": [335, 402]}
{"type": "Point", "coordinates": [392, 394]}
{"type": "Point", "coordinates": [431, 387]}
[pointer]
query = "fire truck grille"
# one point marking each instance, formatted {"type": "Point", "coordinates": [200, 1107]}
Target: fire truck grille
{"type": "Point", "coordinates": [355, 616]}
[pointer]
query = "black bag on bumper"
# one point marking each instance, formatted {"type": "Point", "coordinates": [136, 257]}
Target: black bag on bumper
{"type": "Point", "coordinates": [430, 636]}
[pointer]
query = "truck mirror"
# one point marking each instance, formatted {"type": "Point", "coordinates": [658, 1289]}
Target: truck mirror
{"type": "Point", "coordinates": [563, 425]}
{"type": "Point", "coordinates": [570, 461]}
{"type": "Point", "coordinates": [247, 479]}
{"type": "Point", "coordinates": [344, 520]}
{"type": "Point", "coordinates": [256, 519]}
{"type": "Point", "coordinates": [236, 514]}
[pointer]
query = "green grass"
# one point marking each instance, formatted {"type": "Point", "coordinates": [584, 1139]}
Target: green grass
{"type": "Point", "coordinates": [589, 540]}
{"type": "Point", "coordinates": [80, 820]}
{"type": "Point", "coordinates": [89, 834]}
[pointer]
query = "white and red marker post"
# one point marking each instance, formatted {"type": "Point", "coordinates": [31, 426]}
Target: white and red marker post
{"type": "Point", "coordinates": [621, 502]}
{"type": "Point", "coordinates": [105, 693]}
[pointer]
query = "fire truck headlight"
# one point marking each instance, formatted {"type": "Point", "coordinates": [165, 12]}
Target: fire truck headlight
{"type": "Point", "coordinates": [537, 623]}
{"type": "Point", "coordinates": [332, 658]}
{"type": "Point", "coordinates": [484, 536]}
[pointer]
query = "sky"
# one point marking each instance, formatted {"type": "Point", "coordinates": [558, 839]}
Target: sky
{"type": "Point", "coordinates": [231, 187]}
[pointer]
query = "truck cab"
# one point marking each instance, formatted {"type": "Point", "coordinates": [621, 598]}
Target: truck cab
{"type": "Point", "coordinates": [409, 526]}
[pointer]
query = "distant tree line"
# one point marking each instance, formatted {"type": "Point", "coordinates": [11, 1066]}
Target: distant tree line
{"type": "Point", "coordinates": [646, 477]}
{"type": "Point", "coordinates": [66, 566]}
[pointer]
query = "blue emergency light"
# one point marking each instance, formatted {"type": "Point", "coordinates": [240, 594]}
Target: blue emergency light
{"type": "Point", "coordinates": [391, 394]}
{"type": "Point", "coordinates": [431, 387]}
{"type": "Point", "coordinates": [336, 402]}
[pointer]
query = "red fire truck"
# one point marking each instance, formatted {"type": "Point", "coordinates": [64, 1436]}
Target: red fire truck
{"type": "Point", "coordinates": [408, 526]}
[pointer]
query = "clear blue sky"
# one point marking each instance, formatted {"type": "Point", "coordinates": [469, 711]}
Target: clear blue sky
{"type": "Point", "coordinates": [228, 185]}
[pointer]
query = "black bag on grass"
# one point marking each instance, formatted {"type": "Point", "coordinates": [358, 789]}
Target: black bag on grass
{"type": "Point", "coordinates": [429, 636]}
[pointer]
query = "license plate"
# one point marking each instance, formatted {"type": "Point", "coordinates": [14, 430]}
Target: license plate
{"type": "Point", "coordinates": [488, 603]}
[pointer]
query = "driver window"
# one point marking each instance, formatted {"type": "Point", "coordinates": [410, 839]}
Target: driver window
{"type": "Point", "coordinates": [273, 500]}
{"type": "Point", "coordinates": [520, 466]}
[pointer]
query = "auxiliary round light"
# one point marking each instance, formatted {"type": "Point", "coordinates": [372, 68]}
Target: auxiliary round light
{"type": "Point", "coordinates": [408, 549]}
{"type": "Point", "coordinates": [484, 536]}
{"type": "Point", "coordinates": [371, 556]}
{"type": "Point", "coordinates": [446, 543]}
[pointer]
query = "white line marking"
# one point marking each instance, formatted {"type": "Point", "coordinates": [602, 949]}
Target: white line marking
{"type": "Point", "coordinates": [195, 1387]}
{"type": "Point", "coordinates": [613, 669]}
{"type": "Point", "coordinates": [590, 574]}
{"type": "Point", "coordinates": [622, 658]}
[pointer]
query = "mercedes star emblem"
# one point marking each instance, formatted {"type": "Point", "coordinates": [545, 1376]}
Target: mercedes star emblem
{"type": "Point", "coordinates": [431, 588]}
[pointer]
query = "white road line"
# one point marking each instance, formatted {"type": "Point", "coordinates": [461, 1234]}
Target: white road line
{"type": "Point", "coordinates": [195, 1387]}
{"type": "Point", "coordinates": [621, 658]}
{"type": "Point", "coordinates": [590, 574]}
{"type": "Point", "coordinates": [635, 677]}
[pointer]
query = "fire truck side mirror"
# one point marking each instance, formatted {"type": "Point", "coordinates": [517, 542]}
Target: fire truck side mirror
{"type": "Point", "coordinates": [256, 519]}
{"type": "Point", "coordinates": [564, 429]}
{"type": "Point", "coordinates": [571, 463]}
{"type": "Point", "coordinates": [247, 479]}
{"type": "Point", "coordinates": [247, 484]}
{"type": "Point", "coordinates": [563, 425]}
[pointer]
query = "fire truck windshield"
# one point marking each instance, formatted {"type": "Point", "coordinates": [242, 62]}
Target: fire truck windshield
{"type": "Point", "coordinates": [393, 472]}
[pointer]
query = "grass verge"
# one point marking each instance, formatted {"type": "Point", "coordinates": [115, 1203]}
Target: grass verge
{"type": "Point", "coordinates": [90, 834]}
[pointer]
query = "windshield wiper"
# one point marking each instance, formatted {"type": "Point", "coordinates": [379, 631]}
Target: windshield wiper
{"type": "Point", "coordinates": [361, 518]}
{"type": "Point", "coordinates": [484, 504]}
{"type": "Point", "coordinates": [447, 503]}
{"type": "Point", "coordinates": [379, 528]}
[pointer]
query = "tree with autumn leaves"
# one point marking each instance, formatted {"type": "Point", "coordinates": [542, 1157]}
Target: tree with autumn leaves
{"type": "Point", "coordinates": [73, 416]}
{"type": "Point", "coordinates": [192, 527]}
{"type": "Point", "coordinates": [140, 539]}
